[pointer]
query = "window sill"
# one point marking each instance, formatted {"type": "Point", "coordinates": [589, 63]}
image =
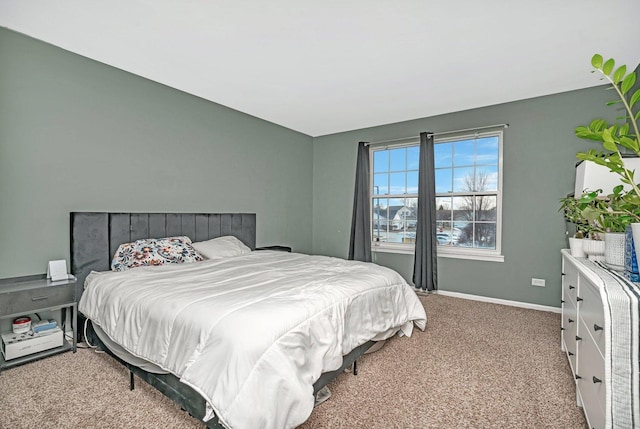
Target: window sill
{"type": "Point", "coordinates": [477, 256]}
{"type": "Point", "coordinates": [393, 248]}
{"type": "Point", "coordinates": [442, 253]}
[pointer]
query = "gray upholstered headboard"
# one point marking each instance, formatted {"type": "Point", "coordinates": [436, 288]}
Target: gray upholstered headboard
{"type": "Point", "coordinates": [95, 237]}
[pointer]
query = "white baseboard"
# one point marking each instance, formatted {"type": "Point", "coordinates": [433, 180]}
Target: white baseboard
{"type": "Point", "coordinates": [499, 301]}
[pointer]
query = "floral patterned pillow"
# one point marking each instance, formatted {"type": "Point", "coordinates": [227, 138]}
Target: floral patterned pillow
{"type": "Point", "coordinates": [154, 251]}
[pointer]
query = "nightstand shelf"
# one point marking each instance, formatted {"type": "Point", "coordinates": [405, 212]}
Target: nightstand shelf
{"type": "Point", "coordinates": [21, 296]}
{"type": "Point", "coordinates": [66, 346]}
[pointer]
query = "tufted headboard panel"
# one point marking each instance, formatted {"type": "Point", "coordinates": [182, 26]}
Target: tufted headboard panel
{"type": "Point", "coordinates": [95, 236]}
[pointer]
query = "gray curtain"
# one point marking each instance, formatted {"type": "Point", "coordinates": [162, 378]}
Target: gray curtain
{"type": "Point", "coordinates": [360, 244]}
{"type": "Point", "coordinates": [425, 268]}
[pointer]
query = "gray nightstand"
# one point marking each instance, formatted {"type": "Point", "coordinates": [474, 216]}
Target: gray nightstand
{"type": "Point", "coordinates": [21, 296]}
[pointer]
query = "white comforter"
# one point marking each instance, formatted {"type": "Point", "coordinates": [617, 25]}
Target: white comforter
{"type": "Point", "coordinates": [252, 333]}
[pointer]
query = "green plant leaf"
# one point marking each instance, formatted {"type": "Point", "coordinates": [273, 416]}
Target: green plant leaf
{"type": "Point", "coordinates": [614, 157]}
{"type": "Point", "coordinates": [634, 98]}
{"type": "Point", "coordinates": [633, 200]}
{"type": "Point", "coordinates": [628, 83]}
{"type": "Point", "coordinates": [608, 134]}
{"type": "Point", "coordinates": [586, 133]}
{"type": "Point", "coordinates": [611, 103]}
{"type": "Point", "coordinates": [618, 75]}
{"type": "Point", "coordinates": [598, 125]}
{"type": "Point", "coordinates": [587, 197]}
{"type": "Point", "coordinates": [624, 130]}
{"type": "Point", "coordinates": [608, 66]}
{"type": "Point", "coordinates": [596, 61]}
{"type": "Point", "coordinates": [590, 213]}
{"type": "Point", "coordinates": [614, 130]}
{"type": "Point", "coordinates": [629, 143]}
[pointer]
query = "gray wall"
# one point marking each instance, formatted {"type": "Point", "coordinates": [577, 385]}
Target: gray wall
{"type": "Point", "coordinates": [79, 135]}
{"type": "Point", "coordinates": [539, 159]}
{"type": "Point", "coordinates": [76, 134]}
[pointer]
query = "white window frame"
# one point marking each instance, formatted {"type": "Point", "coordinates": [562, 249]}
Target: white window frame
{"type": "Point", "coordinates": [389, 247]}
{"type": "Point", "coordinates": [494, 255]}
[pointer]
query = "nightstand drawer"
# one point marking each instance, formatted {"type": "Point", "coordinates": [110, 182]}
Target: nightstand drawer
{"type": "Point", "coordinates": [24, 301]}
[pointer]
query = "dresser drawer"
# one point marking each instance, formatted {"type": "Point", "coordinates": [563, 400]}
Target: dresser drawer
{"type": "Point", "coordinates": [569, 281]}
{"type": "Point", "coordinates": [569, 332]}
{"type": "Point", "coordinates": [31, 299]}
{"type": "Point", "coordinates": [592, 313]}
{"type": "Point", "coordinates": [590, 385]}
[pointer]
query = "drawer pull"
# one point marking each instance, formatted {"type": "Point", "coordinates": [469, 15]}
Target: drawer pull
{"type": "Point", "coordinates": [578, 377]}
{"type": "Point", "coordinates": [578, 338]}
{"type": "Point", "coordinates": [596, 379]}
{"type": "Point", "coordinates": [570, 353]}
{"type": "Point", "coordinates": [572, 287]}
{"type": "Point", "coordinates": [597, 328]}
{"type": "Point", "coordinates": [562, 329]}
{"type": "Point", "coordinates": [570, 320]}
{"type": "Point", "coordinates": [578, 299]}
{"type": "Point", "coordinates": [38, 298]}
{"type": "Point", "coordinates": [562, 301]}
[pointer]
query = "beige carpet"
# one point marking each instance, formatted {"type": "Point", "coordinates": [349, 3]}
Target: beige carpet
{"type": "Point", "coordinates": [477, 365]}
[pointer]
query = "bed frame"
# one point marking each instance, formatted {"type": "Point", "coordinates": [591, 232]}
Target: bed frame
{"type": "Point", "coordinates": [95, 237]}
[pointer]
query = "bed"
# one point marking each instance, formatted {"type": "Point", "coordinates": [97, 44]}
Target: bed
{"type": "Point", "coordinates": [240, 341]}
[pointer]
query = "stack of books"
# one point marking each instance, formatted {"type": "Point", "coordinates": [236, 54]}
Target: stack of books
{"type": "Point", "coordinates": [630, 260]}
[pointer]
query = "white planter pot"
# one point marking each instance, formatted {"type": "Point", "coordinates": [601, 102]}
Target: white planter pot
{"type": "Point", "coordinates": [575, 245]}
{"type": "Point", "coordinates": [614, 250]}
{"type": "Point", "coordinates": [594, 249]}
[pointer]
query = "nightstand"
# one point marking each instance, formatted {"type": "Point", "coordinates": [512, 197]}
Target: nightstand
{"type": "Point", "coordinates": [20, 296]}
{"type": "Point", "coordinates": [277, 248]}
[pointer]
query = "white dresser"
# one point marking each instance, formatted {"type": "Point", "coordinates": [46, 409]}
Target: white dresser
{"type": "Point", "coordinates": [600, 336]}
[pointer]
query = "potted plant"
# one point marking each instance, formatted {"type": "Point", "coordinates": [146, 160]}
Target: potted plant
{"type": "Point", "coordinates": [612, 214]}
{"type": "Point", "coordinates": [591, 208]}
{"type": "Point", "coordinates": [617, 138]}
{"type": "Point", "coordinates": [571, 208]}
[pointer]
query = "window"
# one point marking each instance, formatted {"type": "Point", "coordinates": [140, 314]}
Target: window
{"type": "Point", "coordinates": [468, 181]}
{"type": "Point", "coordinates": [395, 194]}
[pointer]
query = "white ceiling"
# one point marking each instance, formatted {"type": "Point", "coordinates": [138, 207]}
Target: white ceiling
{"type": "Point", "coordinates": [321, 67]}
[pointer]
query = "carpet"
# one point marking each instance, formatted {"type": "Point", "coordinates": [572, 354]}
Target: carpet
{"type": "Point", "coordinates": [477, 365]}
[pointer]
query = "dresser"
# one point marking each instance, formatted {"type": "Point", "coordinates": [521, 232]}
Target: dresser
{"type": "Point", "coordinates": [599, 334]}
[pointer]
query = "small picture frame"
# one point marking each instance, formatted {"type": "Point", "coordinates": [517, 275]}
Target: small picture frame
{"type": "Point", "coordinates": [57, 270]}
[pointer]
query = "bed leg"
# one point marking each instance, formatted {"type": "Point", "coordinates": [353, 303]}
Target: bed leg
{"type": "Point", "coordinates": [355, 367]}
{"type": "Point", "coordinates": [131, 382]}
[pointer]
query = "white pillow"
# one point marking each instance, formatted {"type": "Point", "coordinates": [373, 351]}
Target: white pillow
{"type": "Point", "coordinates": [221, 247]}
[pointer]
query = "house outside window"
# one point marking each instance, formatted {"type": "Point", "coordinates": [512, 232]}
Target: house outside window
{"type": "Point", "coordinates": [468, 181]}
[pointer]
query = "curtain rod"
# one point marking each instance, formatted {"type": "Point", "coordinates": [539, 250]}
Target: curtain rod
{"type": "Point", "coordinates": [442, 133]}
